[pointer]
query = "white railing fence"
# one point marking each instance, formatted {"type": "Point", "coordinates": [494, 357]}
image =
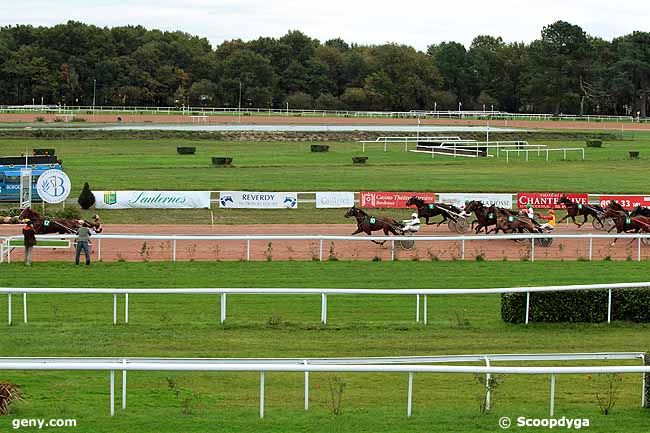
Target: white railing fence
{"type": "Point", "coordinates": [101, 240]}
{"type": "Point", "coordinates": [409, 365]}
{"type": "Point", "coordinates": [322, 292]}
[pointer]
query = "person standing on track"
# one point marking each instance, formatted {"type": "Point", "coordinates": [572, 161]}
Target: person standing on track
{"type": "Point", "coordinates": [29, 240]}
{"type": "Point", "coordinates": [83, 237]}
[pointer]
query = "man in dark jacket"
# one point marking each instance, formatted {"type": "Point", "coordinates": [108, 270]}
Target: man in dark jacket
{"type": "Point", "coordinates": [29, 240]}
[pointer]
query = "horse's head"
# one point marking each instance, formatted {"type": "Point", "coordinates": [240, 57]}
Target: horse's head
{"type": "Point", "coordinates": [637, 211]}
{"type": "Point", "coordinates": [473, 206]}
{"type": "Point", "coordinates": [414, 201]}
{"type": "Point", "coordinates": [565, 200]}
{"type": "Point", "coordinates": [613, 204]}
{"type": "Point", "coordinates": [28, 213]}
{"type": "Point", "coordinates": [352, 212]}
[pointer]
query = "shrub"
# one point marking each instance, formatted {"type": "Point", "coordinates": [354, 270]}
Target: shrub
{"type": "Point", "coordinates": [9, 393]}
{"type": "Point", "coordinates": [647, 381]}
{"type": "Point", "coordinates": [40, 119]}
{"type": "Point", "coordinates": [86, 198]}
{"type": "Point", "coordinates": [577, 306]}
{"type": "Point", "coordinates": [186, 150]}
{"type": "Point", "coordinates": [594, 143]}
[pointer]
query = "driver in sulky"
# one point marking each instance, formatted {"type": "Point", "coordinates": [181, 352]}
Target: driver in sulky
{"type": "Point", "coordinates": [412, 225]}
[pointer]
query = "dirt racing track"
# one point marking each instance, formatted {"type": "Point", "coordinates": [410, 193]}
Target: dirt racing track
{"type": "Point", "coordinates": [497, 249]}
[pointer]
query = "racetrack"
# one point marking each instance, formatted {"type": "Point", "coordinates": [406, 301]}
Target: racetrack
{"type": "Point", "coordinates": [139, 250]}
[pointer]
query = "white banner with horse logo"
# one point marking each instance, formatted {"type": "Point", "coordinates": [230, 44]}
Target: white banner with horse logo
{"type": "Point", "coordinates": [258, 200]}
{"type": "Point", "coordinates": [152, 199]}
{"type": "Point", "coordinates": [53, 186]}
{"type": "Point", "coordinates": [459, 200]}
{"type": "Point", "coordinates": [334, 199]}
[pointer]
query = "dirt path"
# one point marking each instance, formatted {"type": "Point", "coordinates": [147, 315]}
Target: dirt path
{"type": "Point", "coordinates": [289, 120]}
{"type": "Point", "coordinates": [138, 250]}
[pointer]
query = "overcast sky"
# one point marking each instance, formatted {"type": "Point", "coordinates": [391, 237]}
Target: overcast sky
{"type": "Point", "coordinates": [417, 23]}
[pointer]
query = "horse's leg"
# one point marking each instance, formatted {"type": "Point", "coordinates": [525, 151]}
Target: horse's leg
{"type": "Point", "coordinates": [585, 220]}
{"type": "Point", "coordinates": [358, 230]}
{"type": "Point", "coordinates": [444, 218]}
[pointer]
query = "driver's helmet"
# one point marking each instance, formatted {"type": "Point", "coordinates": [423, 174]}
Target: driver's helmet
{"type": "Point", "coordinates": [528, 206]}
{"type": "Point", "coordinates": [551, 211]}
{"type": "Point", "coordinates": [414, 215]}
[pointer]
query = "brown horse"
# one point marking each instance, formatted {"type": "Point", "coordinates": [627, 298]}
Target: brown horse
{"type": "Point", "coordinates": [430, 210]}
{"type": "Point", "coordinates": [368, 224]}
{"type": "Point", "coordinates": [44, 225]}
{"type": "Point", "coordinates": [625, 223]}
{"type": "Point", "coordinates": [577, 209]}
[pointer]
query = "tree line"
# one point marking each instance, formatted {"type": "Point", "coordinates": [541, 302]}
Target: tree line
{"type": "Point", "coordinates": [564, 71]}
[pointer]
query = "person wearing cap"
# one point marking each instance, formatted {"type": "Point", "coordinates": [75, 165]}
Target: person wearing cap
{"type": "Point", "coordinates": [29, 240]}
{"type": "Point", "coordinates": [550, 225]}
{"type": "Point", "coordinates": [413, 224]}
{"type": "Point", "coordinates": [83, 237]}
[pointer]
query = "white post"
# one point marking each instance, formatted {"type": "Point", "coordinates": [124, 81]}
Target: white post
{"type": "Point", "coordinates": [564, 152]}
{"type": "Point", "coordinates": [126, 308]}
{"type": "Point", "coordinates": [527, 306]}
{"type": "Point", "coordinates": [417, 308]}
{"type": "Point", "coordinates": [488, 389]}
{"type": "Point", "coordinates": [306, 387]}
{"type": "Point", "coordinates": [425, 310]}
{"type": "Point", "coordinates": [9, 309]}
{"type": "Point", "coordinates": [174, 251]}
{"type": "Point", "coordinates": [261, 394]}
{"type": "Point", "coordinates": [114, 309]}
{"type": "Point", "coordinates": [223, 307]}
{"type": "Point", "coordinates": [385, 145]}
{"type": "Point", "coordinates": [248, 250]}
{"type": "Point", "coordinates": [409, 404]}
{"type": "Point", "coordinates": [323, 308]}
{"type": "Point", "coordinates": [609, 306]}
{"type": "Point", "coordinates": [320, 251]}
{"type": "Point", "coordinates": [99, 249]}
{"type": "Point", "coordinates": [24, 307]}
{"type": "Point", "coordinates": [112, 392]}
{"type": "Point", "coordinates": [552, 394]}
{"type": "Point", "coordinates": [124, 386]}
{"type": "Point", "coordinates": [462, 249]}
{"type": "Point", "coordinates": [532, 250]}
{"type": "Point", "coordinates": [591, 246]}
{"type": "Point", "coordinates": [638, 249]}
{"type": "Point", "coordinates": [392, 250]}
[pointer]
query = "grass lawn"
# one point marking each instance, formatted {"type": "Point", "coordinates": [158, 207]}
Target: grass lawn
{"type": "Point", "coordinates": [154, 165]}
{"type": "Point", "coordinates": [288, 326]}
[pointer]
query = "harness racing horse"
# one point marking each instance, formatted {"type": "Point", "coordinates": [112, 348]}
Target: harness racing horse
{"type": "Point", "coordinates": [577, 209]}
{"type": "Point", "coordinates": [368, 224]}
{"type": "Point", "coordinates": [44, 225]}
{"type": "Point", "coordinates": [430, 210]}
{"type": "Point", "coordinates": [485, 217]}
{"type": "Point", "coordinates": [641, 211]}
{"type": "Point", "coordinates": [625, 223]}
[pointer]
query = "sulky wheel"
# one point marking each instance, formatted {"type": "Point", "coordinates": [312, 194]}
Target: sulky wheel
{"type": "Point", "coordinates": [452, 226]}
{"type": "Point", "coordinates": [597, 224]}
{"type": "Point", "coordinates": [461, 225]}
{"type": "Point", "coordinates": [645, 241]}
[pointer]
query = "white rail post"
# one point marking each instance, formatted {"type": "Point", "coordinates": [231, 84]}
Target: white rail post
{"type": "Point", "coordinates": [9, 309]}
{"type": "Point", "coordinates": [306, 386]}
{"type": "Point", "coordinates": [174, 251]}
{"type": "Point", "coordinates": [527, 306]}
{"type": "Point", "coordinates": [638, 249]}
{"type": "Point", "coordinates": [248, 250]}
{"type": "Point", "coordinates": [462, 249]}
{"type": "Point", "coordinates": [126, 308]}
{"type": "Point", "coordinates": [609, 306]}
{"type": "Point", "coordinates": [417, 308]}
{"type": "Point", "coordinates": [112, 391]}
{"type": "Point", "coordinates": [392, 250]}
{"type": "Point", "coordinates": [591, 246]}
{"type": "Point", "coordinates": [99, 249]}
{"type": "Point", "coordinates": [24, 307]}
{"type": "Point", "coordinates": [425, 310]}
{"type": "Point", "coordinates": [385, 145]}
{"type": "Point", "coordinates": [488, 388]}
{"type": "Point", "coordinates": [532, 249]}
{"type": "Point", "coordinates": [114, 309]}
{"type": "Point", "coordinates": [320, 251]}
{"type": "Point", "coordinates": [552, 394]}
{"type": "Point", "coordinates": [323, 308]}
{"type": "Point", "coordinates": [409, 399]}
{"type": "Point", "coordinates": [124, 386]}
{"type": "Point", "coordinates": [261, 394]}
{"type": "Point", "coordinates": [223, 307]}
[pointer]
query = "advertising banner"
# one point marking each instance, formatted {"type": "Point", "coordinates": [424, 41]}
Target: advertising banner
{"type": "Point", "coordinates": [258, 200]}
{"type": "Point", "coordinates": [386, 200]}
{"type": "Point", "coordinates": [459, 200]}
{"type": "Point", "coordinates": [152, 199]}
{"type": "Point", "coordinates": [53, 186]}
{"type": "Point", "coordinates": [548, 200]}
{"type": "Point", "coordinates": [629, 202]}
{"type": "Point", "coordinates": [334, 199]}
